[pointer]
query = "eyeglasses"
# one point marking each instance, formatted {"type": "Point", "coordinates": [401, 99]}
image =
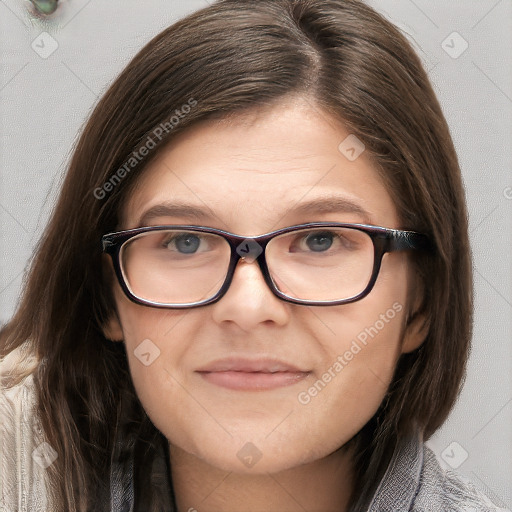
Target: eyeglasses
{"type": "Point", "coordinates": [317, 264]}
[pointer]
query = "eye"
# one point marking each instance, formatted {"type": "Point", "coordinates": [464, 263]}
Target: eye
{"type": "Point", "coordinates": [325, 242]}
{"type": "Point", "coordinates": [320, 241]}
{"type": "Point", "coordinates": [186, 243]}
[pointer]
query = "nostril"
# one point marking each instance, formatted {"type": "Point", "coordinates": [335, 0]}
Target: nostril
{"type": "Point", "coordinates": [46, 6]}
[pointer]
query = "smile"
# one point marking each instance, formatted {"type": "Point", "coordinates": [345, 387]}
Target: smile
{"type": "Point", "coordinates": [251, 375]}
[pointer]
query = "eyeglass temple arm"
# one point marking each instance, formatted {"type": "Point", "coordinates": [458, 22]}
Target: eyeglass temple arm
{"type": "Point", "coordinates": [108, 245]}
{"type": "Point", "coordinates": [403, 240]}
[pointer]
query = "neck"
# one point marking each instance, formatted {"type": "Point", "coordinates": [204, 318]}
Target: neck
{"type": "Point", "coordinates": [324, 485]}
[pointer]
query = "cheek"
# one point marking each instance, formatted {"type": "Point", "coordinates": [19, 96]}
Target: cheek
{"type": "Point", "coordinates": [357, 369]}
{"type": "Point", "coordinates": [152, 340]}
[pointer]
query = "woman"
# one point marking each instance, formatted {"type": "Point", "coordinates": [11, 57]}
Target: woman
{"type": "Point", "coordinates": [255, 291]}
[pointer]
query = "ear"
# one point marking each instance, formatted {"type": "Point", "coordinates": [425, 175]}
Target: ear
{"type": "Point", "coordinates": [112, 330]}
{"type": "Point", "coordinates": [415, 332]}
{"type": "Point", "coordinates": [416, 325]}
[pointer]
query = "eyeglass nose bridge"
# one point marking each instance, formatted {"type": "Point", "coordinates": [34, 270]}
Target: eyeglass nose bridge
{"type": "Point", "coordinates": [249, 249]}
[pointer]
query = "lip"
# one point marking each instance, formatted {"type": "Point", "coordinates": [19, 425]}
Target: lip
{"type": "Point", "coordinates": [251, 374]}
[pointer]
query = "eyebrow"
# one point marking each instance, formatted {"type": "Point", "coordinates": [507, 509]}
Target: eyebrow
{"type": "Point", "coordinates": [322, 205]}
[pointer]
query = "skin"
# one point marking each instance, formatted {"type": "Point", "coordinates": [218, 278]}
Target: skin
{"type": "Point", "coordinates": [250, 172]}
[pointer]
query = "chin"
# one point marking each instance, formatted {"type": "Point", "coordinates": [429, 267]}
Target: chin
{"type": "Point", "coordinates": [249, 459]}
{"type": "Point", "coordinates": [254, 454]}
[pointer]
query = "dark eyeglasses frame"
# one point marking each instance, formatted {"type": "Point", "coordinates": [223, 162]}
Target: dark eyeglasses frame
{"type": "Point", "coordinates": [384, 240]}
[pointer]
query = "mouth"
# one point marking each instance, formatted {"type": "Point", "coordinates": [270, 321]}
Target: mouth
{"type": "Point", "coordinates": [251, 375]}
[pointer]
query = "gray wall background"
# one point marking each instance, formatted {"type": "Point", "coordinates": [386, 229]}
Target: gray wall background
{"type": "Point", "coordinates": [53, 72]}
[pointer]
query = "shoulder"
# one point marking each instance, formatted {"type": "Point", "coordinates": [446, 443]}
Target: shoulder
{"type": "Point", "coordinates": [445, 490]}
{"type": "Point", "coordinates": [17, 364]}
{"type": "Point", "coordinates": [415, 481]}
{"type": "Point", "coordinates": [24, 455]}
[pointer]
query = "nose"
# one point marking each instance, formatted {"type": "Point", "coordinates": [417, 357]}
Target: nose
{"type": "Point", "coordinates": [249, 301]}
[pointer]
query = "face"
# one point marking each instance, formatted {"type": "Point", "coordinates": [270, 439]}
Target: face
{"type": "Point", "coordinates": [206, 383]}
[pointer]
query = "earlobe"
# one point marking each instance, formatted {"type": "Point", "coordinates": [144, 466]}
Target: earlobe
{"type": "Point", "coordinates": [112, 330]}
{"type": "Point", "coordinates": [415, 332]}
{"type": "Point", "coordinates": [416, 325]}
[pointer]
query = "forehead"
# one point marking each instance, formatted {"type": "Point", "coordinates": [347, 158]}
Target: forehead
{"type": "Point", "coordinates": [263, 171]}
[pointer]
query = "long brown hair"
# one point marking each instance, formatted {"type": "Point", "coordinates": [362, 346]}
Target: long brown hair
{"type": "Point", "coordinates": [225, 59]}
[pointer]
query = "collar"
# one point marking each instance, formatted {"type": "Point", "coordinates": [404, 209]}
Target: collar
{"type": "Point", "coordinates": [401, 481]}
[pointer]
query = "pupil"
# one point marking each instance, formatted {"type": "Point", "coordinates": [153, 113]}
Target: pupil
{"type": "Point", "coordinates": [320, 241]}
{"type": "Point", "coordinates": [187, 243]}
